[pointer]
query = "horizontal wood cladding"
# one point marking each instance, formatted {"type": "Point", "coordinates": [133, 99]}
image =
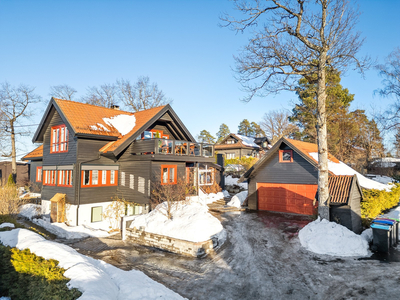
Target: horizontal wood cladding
{"type": "Point", "coordinates": [97, 194]}
{"type": "Point", "coordinates": [63, 158]}
{"type": "Point", "coordinates": [49, 191]}
{"type": "Point", "coordinates": [138, 189]}
{"type": "Point", "coordinates": [32, 177]}
{"type": "Point", "coordinates": [142, 146]}
{"type": "Point", "coordinates": [156, 169]}
{"type": "Point", "coordinates": [299, 171]}
{"type": "Point", "coordinates": [89, 149]}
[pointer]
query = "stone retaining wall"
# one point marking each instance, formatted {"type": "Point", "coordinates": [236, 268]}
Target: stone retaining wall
{"type": "Point", "coordinates": [183, 247]}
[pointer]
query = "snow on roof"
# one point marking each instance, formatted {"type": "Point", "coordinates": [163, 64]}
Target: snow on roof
{"type": "Point", "coordinates": [123, 123]}
{"type": "Point", "coordinates": [343, 169]}
{"type": "Point", "coordinates": [99, 127]}
{"type": "Point", "coordinates": [247, 140]}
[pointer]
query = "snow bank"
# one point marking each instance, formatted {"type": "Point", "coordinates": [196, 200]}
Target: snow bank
{"type": "Point", "coordinates": [324, 237]}
{"type": "Point", "coordinates": [190, 221]}
{"type": "Point", "coordinates": [30, 210]}
{"type": "Point", "coordinates": [30, 195]}
{"type": "Point", "coordinates": [238, 199]}
{"type": "Point", "coordinates": [209, 198]}
{"type": "Point", "coordinates": [123, 123]}
{"type": "Point", "coordinates": [64, 231]}
{"type": "Point", "coordinates": [343, 169]}
{"type": "Point", "coordinates": [382, 179]}
{"type": "Point", "coordinates": [226, 193]}
{"type": "Point", "coordinates": [9, 225]}
{"type": "Point", "coordinates": [94, 278]}
{"type": "Point", "coordinates": [234, 181]}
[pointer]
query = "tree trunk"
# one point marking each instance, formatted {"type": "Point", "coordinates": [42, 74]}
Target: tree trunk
{"type": "Point", "coordinates": [323, 188]}
{"type": "Point", "coordinates": [13, 154]}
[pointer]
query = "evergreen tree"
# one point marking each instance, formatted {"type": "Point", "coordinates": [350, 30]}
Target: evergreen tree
{"type": "Point", "coordinates": [223, 132]}
{"type": "Point", "coordinates": [245, 128]}
{"type": "Point", "coordinates": [258, 132]}
{"type": "Point", "coordinates": [206, 137]}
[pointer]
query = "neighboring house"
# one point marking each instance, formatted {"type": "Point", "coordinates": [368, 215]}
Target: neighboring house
{"type": "Point", "coordinates": [22, 172]}
{"type": "Point", "coordinates": [388, 166]}
{"type": "Point", "coordinates": [235, 145]}
{"type": "Point", "coordinates": [286, 179]}
{"type": "Point", "coordinates": [92, 154]}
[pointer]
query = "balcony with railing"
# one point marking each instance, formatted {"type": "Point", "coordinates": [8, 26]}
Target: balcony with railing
{"type": "Point", "coordinates": [168, 147]}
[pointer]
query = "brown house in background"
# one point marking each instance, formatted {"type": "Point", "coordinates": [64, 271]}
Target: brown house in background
{"type": "Point", "coordinates": [237, 146]}
{"type": "Point", "coordinates": [23, 170]}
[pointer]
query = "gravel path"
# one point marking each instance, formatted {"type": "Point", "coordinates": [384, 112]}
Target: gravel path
{"type": "Point", "coordinates": [262, 259]}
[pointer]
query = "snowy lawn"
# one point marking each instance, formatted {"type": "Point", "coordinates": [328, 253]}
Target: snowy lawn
{"type": "Point", "coordinates": [324, 237]}
{"type": "Point", "coordinates": [238, 199]}
{"type": "Point", "coordinates": [94, 278]}
{"type": "Point", "coordinates": [7, 225]}
{"type": "Point", "coordinates": [208, 198]}
{"type": "Point", "coordinates": [30, 195]}
{"type": "Point", "coordinates": [190, 221]}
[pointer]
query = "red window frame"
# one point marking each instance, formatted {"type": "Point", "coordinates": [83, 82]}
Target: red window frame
{"type": "Point", "coordinates": [169, 181]}
{"type": "Point", "coordinates": [162, 135]}
{"type": "Point", "coordinates": [281, 152]}
{"type": "Point", "coordinates": [50, 177]}
{"type": "Point", "coordinates": [59, 139]}
{"type": "Point", "coordinates": [39, 174]}
{"type": "Point", "coordinates": [99, 178]}
{"type": "Point", "coordinates": [65, 178]}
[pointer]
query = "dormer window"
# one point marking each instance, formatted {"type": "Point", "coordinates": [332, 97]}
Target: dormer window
{"type": "Point", "coordinates": [59, 139]}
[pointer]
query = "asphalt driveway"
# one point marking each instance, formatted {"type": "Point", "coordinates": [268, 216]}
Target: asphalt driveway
{"type": "Point", "coordinates": [262, 259]}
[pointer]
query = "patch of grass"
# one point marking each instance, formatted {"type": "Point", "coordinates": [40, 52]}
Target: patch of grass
{"type": "Point", "coordinates": [9, 219]}
{"type": "Point", "coordinates": [24, 275]}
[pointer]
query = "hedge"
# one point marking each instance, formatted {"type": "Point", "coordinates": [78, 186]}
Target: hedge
{"type": "Point", "coordinates": [23, 275]}
{"type": "Point", "coordinates": [376, 202]}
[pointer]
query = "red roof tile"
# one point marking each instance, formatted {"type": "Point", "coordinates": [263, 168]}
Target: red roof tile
{"type": "Point", "coordinates": [36, 153]}
{"type": "Point", "coordinates": [339, 188]}
{"type": "Point", "coordinates": [307, 148]}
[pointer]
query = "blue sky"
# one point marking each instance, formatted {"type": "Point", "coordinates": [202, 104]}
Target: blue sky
{"type": "Point", "coordinates": [178, 44]}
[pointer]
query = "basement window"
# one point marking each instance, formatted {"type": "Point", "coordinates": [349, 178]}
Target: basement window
{"type": "Point", "coordinates": [97, 214]}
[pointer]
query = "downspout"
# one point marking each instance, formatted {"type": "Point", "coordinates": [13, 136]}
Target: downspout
{"type": "Point", "coordinates": [79, 184]}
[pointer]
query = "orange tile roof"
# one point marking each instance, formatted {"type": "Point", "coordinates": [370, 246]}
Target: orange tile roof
{"type": "Point", "coordinates": [339, 188]}
{"type": "Point", "coordinates": [83, 117]}
{"type": "Point", "coordinates": [38, 152]}
{"type": "Point", "coordinates": [308, 148]}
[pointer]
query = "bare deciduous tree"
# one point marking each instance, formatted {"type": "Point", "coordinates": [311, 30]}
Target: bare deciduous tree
{"type": "Point", "coordinates": [15, 104]}
{"type": "Point", "coordinates": [62, 91]}
{"type": "Point", "coordinates": [294, 38]}
{"type": "Point", "coordinates": [276, 124]}
{"type": "Point", "coordinates": [142, 95]}
{"type": "Point", "coordinates": [106, 95]}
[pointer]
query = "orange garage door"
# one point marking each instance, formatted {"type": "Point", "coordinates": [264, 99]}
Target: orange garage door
{"type": "Point", "coordinates": [291, 198]}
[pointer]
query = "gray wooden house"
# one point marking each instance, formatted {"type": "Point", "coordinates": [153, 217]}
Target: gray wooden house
{"type": "Point", "coordinates": [236, 146]}
{"type": "Point", "coordinates": [93, 154]}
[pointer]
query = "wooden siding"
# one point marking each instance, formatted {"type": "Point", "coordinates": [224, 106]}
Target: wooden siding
{"type": "Point", "coordinates": [22, 172]}
{"type": "Point", "coordinates": [65, 158]}
{"type": "Point", "coordinates": [34, 165]}
{"type": "Point", "coordinates": [141, 190]}
{"type": "Point", "coordinates": [89, 149]}
{"type": "Point", "coordinates": [49, 191]}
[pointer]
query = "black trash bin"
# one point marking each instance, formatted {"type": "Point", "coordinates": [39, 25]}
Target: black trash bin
{"type": "Point", "coordinates": [393, 225]}
{"type": "Point", "coordinates": [381, 237]}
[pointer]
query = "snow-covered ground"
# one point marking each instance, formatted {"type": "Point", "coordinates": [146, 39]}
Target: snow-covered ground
{"type": "Point", "coordinates": [94, 278]}
{"type": "Point", "coordinates": [30, 195]}
{"type": "Point", "coordinates": [7, 225]}
{"type": "Point", "coordinates": [234, 181]}
{"type": "Point", "coordinates": [238, 199]}
{"type": "Point", "coordinates": [208, 198]}
{"type": "Point", "coordinates": [381, 178]}
{"type": "Point", "coordinates": [343, 169]}
{"type": "Point", "coordinates": [30, 211]}
{"type": "Point", "coordinates": [324, 237]}
{"type": "Point", "coordinates": [190, 221]}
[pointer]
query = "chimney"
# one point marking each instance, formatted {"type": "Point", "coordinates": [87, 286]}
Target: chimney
{"type": "Point", "coordinates": [114, 106]}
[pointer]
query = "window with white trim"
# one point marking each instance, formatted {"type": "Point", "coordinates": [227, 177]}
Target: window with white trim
{"type": "Point", "coordinates": [123, 178]}
{"type": "Point", "coordinates": [59, 139]}
{"type": "Point", "coordinates": [131, 181]}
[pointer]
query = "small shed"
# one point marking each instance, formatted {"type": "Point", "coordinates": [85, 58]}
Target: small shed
{"type": "Point", "coordinates": [57, 211]}
{"type": "Point", "coordinates": [345, 198]}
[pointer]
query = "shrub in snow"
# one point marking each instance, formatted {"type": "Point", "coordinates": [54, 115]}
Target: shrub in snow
{"type": "Point", "coordinates": [238, 199]}
{"type": "Point", "coordinates": [23, 275]}
{"type": "Point", "coordinates": [189, 221]}
{"type": "Point", "coordinates": [114, 212]}
{"type": "Point", "coordinates": [324, 237]}
{"type": "Point", "coordinates": [9, 200]}
{"type": "Point", "coordinates": [377, 201]}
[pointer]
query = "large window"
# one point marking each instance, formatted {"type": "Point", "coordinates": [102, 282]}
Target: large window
{"type": "Point", "coordinates": [168, 174]}
{"type": "Point", "coordinates": [59, 139]}
{"type": "Point", "coordinates": [92, 178]}
{"type": "Point", "coordinates": [38, 174]}
{"type": "Point", "coordinates": [152, 134]}
{"type": "Point", "coordinates": [65, 178]}
{"type": "Point", "coordinates": [206, 176]}
{"type": "Point", "coordinates": [49, 177]}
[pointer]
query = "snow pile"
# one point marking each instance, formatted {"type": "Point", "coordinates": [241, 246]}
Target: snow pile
{"type": "Point", "coordinates": [381, 178]}
{"type": "Point", "coordinates": [238, 199]}
{"type": "Point", "coordinates": [8, 225]}
{"type": "Point", "coordinates": [30, 211]}
{"type": "Point", "coordinates": [226, 193]}
{"type": "Point", "coordinates": [190, 221]}
{"type": "Point", "coordinates": [234, 181]}
{"type": "Point", "coordinates": [324, 237]}
{"type": "Point", "coordinates": [247, 141]}
{"type": "Point", "coordinates": [30, 195]}
{"type": "Point", "coordinates": [343, 169]}
{"type": "Point", "coordinates": [64, 231]}
{"type": "Point", "coordinates": [123, 123]}
{"type": "Point", "coordinates": [94, 278]}
{"type": "Point", "coordinates": [367, 235]}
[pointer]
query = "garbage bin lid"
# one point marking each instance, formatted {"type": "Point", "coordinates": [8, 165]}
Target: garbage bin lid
{"type": "Point", "coordinates": [377, 226]}
{"type": "Point", "coordinates": [383, 221]}
{"type": "Point", "coordinates": [389, 219]}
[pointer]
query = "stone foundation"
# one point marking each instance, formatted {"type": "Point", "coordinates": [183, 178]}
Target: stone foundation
{"type": "Point", "coordinates": [174, 245]}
